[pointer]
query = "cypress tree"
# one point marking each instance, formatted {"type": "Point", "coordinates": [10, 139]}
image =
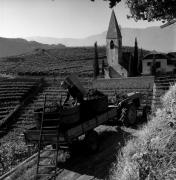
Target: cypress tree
{"type": "Point", "coordinates": [102, 68]}
{"type": "Point", "coordinates": [140, 62]}
{"type": "Point", "coordinates": [131, 68]}
{"type": "Point", "coordinates": [153, 67]}
{"type": "Point", "coordinates": [135, 61]}
{"type": "Point", "coordinates": [95, 62]}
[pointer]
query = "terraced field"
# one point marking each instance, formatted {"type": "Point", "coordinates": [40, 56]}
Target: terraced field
{"type": "Point", "coordinates": [13, 94]}
{"type": "Point", "coordinates": [53, 65]}
{"type": "Point", "coordinates": [52, 62]}
{"type": "Point", "coordinates": [24, 119]}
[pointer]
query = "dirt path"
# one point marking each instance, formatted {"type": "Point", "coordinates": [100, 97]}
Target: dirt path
{"type": "Point", "coordinates": [96, 166]}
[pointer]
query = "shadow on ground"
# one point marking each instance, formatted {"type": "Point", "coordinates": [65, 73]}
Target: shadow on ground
{"type": "Point", "coordinates": [100, 163]}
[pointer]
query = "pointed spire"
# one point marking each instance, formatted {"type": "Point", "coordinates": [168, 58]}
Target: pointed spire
{"type": "Point", "coordinates": [113, 30]}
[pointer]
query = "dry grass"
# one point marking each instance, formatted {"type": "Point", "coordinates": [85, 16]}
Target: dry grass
{"type": "Point", "coordinates": [28, 170]}
{"type": "Point", "coordinates": [152, 155]}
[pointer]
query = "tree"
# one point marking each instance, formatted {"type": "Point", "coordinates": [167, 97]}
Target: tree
{"type": "Point", "coordinates": [140, 62]}
{"type": "Point", "coordinates": [131, 69]}
{"type": "Point", "coordinates": [135, 61]}
{"type": "Point", "coordinates": [95, 62]}
{"type": "Point", "coordinates": [149, 9]}
{"type": "Point", "coordinates": [102, 68]}
{"type": "Point", "coordinates": [153, 67]}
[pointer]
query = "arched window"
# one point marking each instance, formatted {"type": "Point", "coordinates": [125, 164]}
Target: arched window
{"type": "Point", "coordinates": [111, 44]}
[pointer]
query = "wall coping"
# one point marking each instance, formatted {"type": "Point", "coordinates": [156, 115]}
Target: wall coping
{"type": "Point", "coordinates": [123, 78]}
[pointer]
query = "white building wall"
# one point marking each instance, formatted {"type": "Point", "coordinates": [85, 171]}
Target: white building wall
{"type": "Point", "coordinates": [146, 69]}
{"type": "Point", "coordinates": [170, 68]}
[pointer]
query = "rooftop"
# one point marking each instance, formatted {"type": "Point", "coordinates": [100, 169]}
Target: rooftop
{"type": "Point", "coordinates": [113, 30]}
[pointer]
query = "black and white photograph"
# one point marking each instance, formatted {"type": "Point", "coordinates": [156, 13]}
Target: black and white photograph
{"type": "Point", "coordinates": [88, 90]}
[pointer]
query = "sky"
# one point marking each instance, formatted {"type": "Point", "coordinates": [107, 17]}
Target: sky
{"type": "Point", "coordinates": [61, 18]}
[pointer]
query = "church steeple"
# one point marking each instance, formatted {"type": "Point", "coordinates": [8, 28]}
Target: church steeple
{"type": "Point", "coordinates": [114, 48]}
{"type": "Point", "coordinates": [113, 30]}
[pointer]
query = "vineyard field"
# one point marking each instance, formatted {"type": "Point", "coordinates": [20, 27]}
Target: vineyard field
{"type": "Point", "coordinates": [52, 62]}
{"type": "Point", "coordinates": [12, 93]}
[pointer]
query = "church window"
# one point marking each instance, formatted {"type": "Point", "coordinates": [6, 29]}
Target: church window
{"type": "Point", "coordinates": [149, 64]}
{"type": "Point", "coordinates": [111, 45]}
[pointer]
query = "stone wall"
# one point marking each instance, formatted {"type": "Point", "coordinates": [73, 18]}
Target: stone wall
{"type": "Point", "coordinates": [125, 85]}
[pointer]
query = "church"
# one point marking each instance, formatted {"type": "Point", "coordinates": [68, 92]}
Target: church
{"type": "Point", "coordinates": [117, 64]}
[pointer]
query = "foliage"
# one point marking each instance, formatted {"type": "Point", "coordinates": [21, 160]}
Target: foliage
{"type": "Point", "coordinates": [135, 61]}
{"type": "Point", "coordinates": [151, 154]}
{"type": "Point", "coordinates": [153, 67]}
{"type": "Point", "coordinates": [102, 68]}
{"type": "Point", "coordinates": [149, 10]}
{"type": "Point", "coordinates": [141, 55]}
{"type": "Point", "coordinates": [11, 153]}
{"type": "Point", "coordinates": [131, 69]}
{"type": "Point", "coordinates": [95, 62]}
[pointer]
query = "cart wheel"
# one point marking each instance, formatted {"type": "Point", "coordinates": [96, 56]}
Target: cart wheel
{"type": "Point", "coordinates": [129, 115]}
{"type": "Point", "coordinates": [91, 140]}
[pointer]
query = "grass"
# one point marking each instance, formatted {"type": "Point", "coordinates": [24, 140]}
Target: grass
{"type": "Point", "coordinates": [152, 154]}
{"type": "Point", "coordinates": [28, 170]}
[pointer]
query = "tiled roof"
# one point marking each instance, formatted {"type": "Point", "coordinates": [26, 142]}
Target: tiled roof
{"type": "Point", "coordinates": [113, 30]}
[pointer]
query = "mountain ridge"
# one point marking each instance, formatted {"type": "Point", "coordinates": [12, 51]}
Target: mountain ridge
{"type": "Point", "coordinates": [16, 46]}
{"type": "Point", "coordinates": [151, 38]}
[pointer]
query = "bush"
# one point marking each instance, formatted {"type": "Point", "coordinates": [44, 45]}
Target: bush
{"type": "Point", "coordinates": [152, 154]}
{"type": "Point", "coordinates": [11, 153]}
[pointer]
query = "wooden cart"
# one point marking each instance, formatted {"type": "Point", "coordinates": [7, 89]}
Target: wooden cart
{"type": "Point", "coordinates": [59, 136]}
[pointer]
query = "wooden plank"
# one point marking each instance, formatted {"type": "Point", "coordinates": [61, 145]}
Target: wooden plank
{"type": "Point", "coordinates": [85, 177]}
{"type": "Point", "coordinates": [68, 175]}
{"type": "Point", "coordinates": [33, 135]}
{"type": "Point", "coordinates": [102, 118]}
{"type": "Point", "coordinates": [74, 132]}
{"type": "Point", "coordinates": [91, 124]}
{"type": "Point", "coordinates": [88, 125]}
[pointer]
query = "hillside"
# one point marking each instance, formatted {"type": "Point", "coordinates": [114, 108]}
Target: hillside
{"type": "Point", "coordinates": [55, 61]}
{"type": "Point", "coordinates": [10, 46]}
{"type": "Point", "coordinates": [152, 38]}
{"type": "Point", "coordinates": [151, 153]}
{"type": "Point", "coordinates": [54, 65]}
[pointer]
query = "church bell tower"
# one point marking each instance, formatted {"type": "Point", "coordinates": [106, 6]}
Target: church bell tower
{"type": "Point", "coordinates": [114, 50]}
{"type": "Point", "coordinates": [114, 42]}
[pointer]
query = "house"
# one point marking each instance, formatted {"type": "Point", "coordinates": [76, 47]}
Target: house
{"type": "Point", "coordinates": [164, 63]}
{"type": "Point", "coordinates": [116, 67]}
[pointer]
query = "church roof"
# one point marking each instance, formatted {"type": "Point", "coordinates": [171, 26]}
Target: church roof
{"type": "Point", "coordinates": [113, 30]}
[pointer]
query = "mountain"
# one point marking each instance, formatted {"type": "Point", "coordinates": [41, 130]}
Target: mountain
{"type": "Point", "coordinates": [16, 46]}
{"type": "Point", "coordinates": [152, 38]}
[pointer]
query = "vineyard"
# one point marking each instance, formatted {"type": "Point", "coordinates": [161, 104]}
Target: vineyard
{"type": "Point", "coordinates": [52, 65]}
{"type": "Point", "coordinates": [13, 93]}
{"type": "Point", "coordinates": [13, 147]}
{"type": "Point", "coordinates": [52, 62]}
{"type": "Point", "coordinates": [56, 62]}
